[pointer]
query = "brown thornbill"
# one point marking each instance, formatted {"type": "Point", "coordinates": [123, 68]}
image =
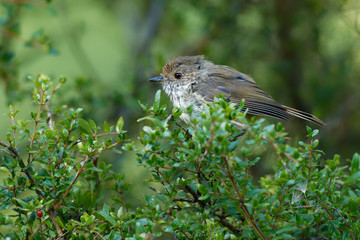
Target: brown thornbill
{"type": "Point", "coordinates": [192, 80]}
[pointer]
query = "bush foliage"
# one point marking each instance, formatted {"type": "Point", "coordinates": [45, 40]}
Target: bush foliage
{"type": "Point", "coordinates": [55, 173]}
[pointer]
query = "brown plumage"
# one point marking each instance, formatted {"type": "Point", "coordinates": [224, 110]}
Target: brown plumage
{"type": "Point", "coordinates": [192, 80]}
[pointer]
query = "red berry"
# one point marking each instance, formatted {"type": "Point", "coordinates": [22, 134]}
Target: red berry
{"type": "Point", "coordinates": [39, 213]}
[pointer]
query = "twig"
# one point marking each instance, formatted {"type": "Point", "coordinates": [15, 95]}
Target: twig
{"type": "Point", "coordinates": [37, 119]}
{"type": "Point", "coordinates": [240, 125]}
{"type": "Point", "coordinates": [37, 229]}
{"type": "Point", "coordinates": [310, 206]}
{"type": "Point", "coordinates": [221, 220]}
{"type": "Point", "coordinates": [48, 114]}
{"type": "Point", "coordinates": [247, 214]}
{"type": "Point", "coordinates": [280, 204]}
{"type": "Point", "coordinates": [347, 224]}
{"type": "Point", "coordinates": [73, 182]}
{"type": "Point", "coordinates": [57, 227]}
{"type": "Point", "coordinates": [14, 154]}
{"type": "Point", "coordinates": [6, 152]}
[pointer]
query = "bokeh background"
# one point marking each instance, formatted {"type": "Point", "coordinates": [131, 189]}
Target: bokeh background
{"type": "Point", "coordinates": [306, 54]}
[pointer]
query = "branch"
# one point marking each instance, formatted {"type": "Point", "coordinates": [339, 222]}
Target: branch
{"type": "Point", "coordinates": [15, 155]}
{"type": "Point", "coordinates": [73, 182]}
{"type": "Point", "coordinates": [222, 218]}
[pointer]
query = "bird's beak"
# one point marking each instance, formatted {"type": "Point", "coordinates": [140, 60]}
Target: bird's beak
{"type": "Point", "coordinates": [157, 79]}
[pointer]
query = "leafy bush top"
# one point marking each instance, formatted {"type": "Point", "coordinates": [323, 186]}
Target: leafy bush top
{"type": "Point", "coordinates": [50, 164]}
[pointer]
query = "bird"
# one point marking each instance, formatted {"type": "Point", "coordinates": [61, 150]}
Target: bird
{"type": "Point", "coordinates": [195, 81]}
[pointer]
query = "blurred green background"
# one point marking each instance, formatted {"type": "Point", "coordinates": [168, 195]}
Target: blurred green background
{"type": "Point", "coordinates": [304, 53]}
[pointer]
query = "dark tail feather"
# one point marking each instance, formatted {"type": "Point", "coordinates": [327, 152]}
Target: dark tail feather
{"type": "Point", "coordinates": [304, 115]}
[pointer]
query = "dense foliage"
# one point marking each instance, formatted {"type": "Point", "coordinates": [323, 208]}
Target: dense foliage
{"type": "Point", "coordinates": [56, 173]}
{"type": "Point", "coordinates": [224, 175]}
{"type": "Point", "coordinates": [304, 53]}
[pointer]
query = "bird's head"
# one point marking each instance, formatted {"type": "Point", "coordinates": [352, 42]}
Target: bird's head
{"type": "Point", "coordinates": [182, 70]}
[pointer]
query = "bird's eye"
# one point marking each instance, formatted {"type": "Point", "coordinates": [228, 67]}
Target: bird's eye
{"type": "Point", "coordinates": [178, 75]}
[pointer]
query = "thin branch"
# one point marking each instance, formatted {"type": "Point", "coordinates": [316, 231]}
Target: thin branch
{"type": "Point", "coordinates": [247, 214]}
{"type": "Point", "coordinates": [36, 230]}
{"type": "Point", "coordinates": [37, 119]}
{"type": "Point", "coordinates": [240, 125]}
{"type": "Point", "coordinates": [73, 182]}
{"type": "Point", "coordinates": [49, 116]}
{"type": "Point", "coordinates": [347, 224]}
{"type": "Point", "coordinates": [14, 153]}
{"type": "Point", "coordinates": [222, 220]}
{"type": "Point", "coordinates": [57, 227]}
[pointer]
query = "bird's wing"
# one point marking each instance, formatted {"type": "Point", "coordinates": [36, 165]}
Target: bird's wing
{"type": "Point", "coordinates": [235, 86]}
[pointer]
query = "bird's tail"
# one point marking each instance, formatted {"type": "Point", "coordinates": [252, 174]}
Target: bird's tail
{"type": "Point", "coordinates": [304, 115]}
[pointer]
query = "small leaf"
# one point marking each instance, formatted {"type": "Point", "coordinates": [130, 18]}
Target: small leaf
{"type": "Point", "coordinates": [119, 124]}
{"type": "Point", "coordinates": [23, 203]}
{"type": "Point", "coordinates": [94, 169]}
{"type": "Point", "coordinates": [290, 182]}
{"type": "Point", "coordinates": [233, 145]}
{"type": "Point", "coordinates": [142, 106]}
{"type": "Point", "coordinates": [157, 100]}
{"type": "Point", "coordinates": [202, 189]}
{"type": "Point", "coordinates": [52, 234]}
{"type": "Point", "coordinates": [90, 220]}
{"type": "Point", "coordinates": [33, 115]}
{"type": "Point", "coordinates": [315, 132]}
{"type": "Point", "coordinates": [92, 124]}
{"type": "Point", "coordinates": [84, 217]}
{"type": "Point", "coordinates": [355, 163]}
{"type": "Point", "coordinates": [354, 177]}
{"type": "Point", "coordinates": [85, 126]}
{"type": "Point", "coordinates": [120, 212]}
{"type": "Point", "coordinates": [168, 229]}
{"type": "Point", "coordinates": [62, 80]}
{"type": "Point", "coordinates": [106, 127]}
{"type": "Point", "coordinates": [204, 197]}
{"type": "Point", "coordinates": [105, 213]}
{"type": "Point", "coordinates": [308, 129]}
{"type": "Point", "coordinates": [311, 133]}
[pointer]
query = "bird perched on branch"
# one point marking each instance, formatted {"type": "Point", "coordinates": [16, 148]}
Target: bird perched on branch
{"type": "Point", "coordinates": [192, 80]}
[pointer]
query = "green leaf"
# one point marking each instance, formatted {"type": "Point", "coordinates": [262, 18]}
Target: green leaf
{"type": "Point", "coordinates": [144, 107]}
{"type": "Point", "coordinates": [94, 169]}
{"type": "Point", "coordinates": [290, 182]}
{"type": "Point", "coordinates": [92, 124]}
{"type": "Point", "coordinates": [355, 162]}
{"type": "Point", "coordinates": [311, 133]}
{"type": "Point", "coordinates": [119, 124]}
{"type": "Point", "coordinates": [168, 229]}
{"type": "Point", "coordinates": [105, 213]}
{"type": "Point", "coordinates": [85, 126]}
{"type": "Point", "coordinates": [308, 129]}
{"type": "Point", "coordinates": [90, 220]}
{"type": "Point", "coordinates": [106, 127]}
{"type": "Point", "coordinates": [120, 212]}
{"type": "Point", "coordinates": [354, 177]}
{"type": "Point", "coordinates": [24, 204]}
{"type": "Point", "coordinates": [33, 115]}
{"type": "Point", "coordinates": [204, 197]}
{"type": "Point", "coordinates": [202, 189]}
{"type": "Point", "coordinates": [62, 80]}
{"type": "Point", "coordinates": [52, 233]}
{"type": "Point", "coordinates": [84, 217]}
{"type": "Point", "coordinates": [314, 133]}
{"type": "Point", "coordinates": [233, 145]}
{"type": "Point", "coordinates": [157, 100]}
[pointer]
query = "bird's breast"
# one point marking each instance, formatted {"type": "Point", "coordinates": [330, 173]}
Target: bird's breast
{"type": "Point", "coordinates": [182, 96]}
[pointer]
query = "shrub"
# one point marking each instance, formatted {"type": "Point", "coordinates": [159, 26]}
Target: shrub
{"type": "Point", "coordinates": [53, 178]}
{"type": "Point", "coordinates": [209, 193]}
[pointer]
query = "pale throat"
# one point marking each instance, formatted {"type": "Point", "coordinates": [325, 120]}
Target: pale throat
{"type": "Point", "coordinates": [182, 96]}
